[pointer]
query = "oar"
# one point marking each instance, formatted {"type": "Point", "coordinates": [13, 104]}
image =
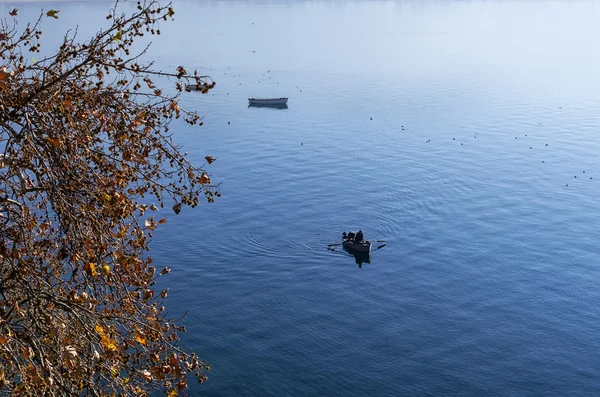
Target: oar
{"type": "Point", "coordinates": [380, 241]}
{"type": "Point", "coordinates": [381, 246]}
{"type": "Point", "coordinates": [333, 245]}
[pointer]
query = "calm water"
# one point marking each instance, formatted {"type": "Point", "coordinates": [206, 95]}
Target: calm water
{"type": "Point", "coordinates": [465, 134]}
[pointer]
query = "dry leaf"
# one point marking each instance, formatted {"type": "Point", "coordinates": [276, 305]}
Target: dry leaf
{"type": "Point", "coordinates": [70, 352]}
{"type": "Point", "coordinates": [204, 178]}
{"type": "Point", "coordinates": [146, 375]}
{"type": "Point", "coordinates": [52, 13]}
{"type": "Point", "coordinates": [4, 74]}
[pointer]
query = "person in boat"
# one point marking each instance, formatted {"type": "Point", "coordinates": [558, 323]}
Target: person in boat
{"type": "Point", "coordinates": [351, 236]}
{"type": "Point", "coordinates": [344, 236]}
{"type": "Point", "coordinates": [359, 236]}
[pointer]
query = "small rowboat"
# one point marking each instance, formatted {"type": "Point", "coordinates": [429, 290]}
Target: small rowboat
{"type": "Point", "coordinates": [196, 87]}
{"type": "Point", "coordinates": [267, 101]}
{"type": "Point", "coordinates": [359, 246]}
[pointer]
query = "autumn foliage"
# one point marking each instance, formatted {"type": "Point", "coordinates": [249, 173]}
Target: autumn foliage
{"type": "Point", "coordinates": [86, 164]}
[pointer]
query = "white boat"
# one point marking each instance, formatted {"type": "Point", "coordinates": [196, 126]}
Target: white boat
{"type": "Point", "coordinates": [359, 246]}
{"type": "Point", "coordinates": [267, 101]}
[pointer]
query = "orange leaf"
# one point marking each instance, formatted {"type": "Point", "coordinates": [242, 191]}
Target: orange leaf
{"type": "Point", "coordinates": [173, 359]}
{"type": "Point", "coordinates": [140, 338]}
{"type": "Point", "coordinates": [210, 159]}
{"type": "Point", "coordinates": [4, 74]}
{"type": "Point", "coordinates": [54, 142]}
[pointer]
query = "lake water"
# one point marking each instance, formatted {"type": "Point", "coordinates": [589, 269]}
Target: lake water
{"type": "Point", "coordinates": [464, 134]}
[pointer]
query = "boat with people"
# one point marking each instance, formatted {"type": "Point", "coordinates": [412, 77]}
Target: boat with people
{"type": "Point", "coordinates": [267, 101]}
{"type": "Point", "coordinates": [355, 242]}
{"type": "Point", "coordinates": [198, 87]}
{"type": "Point", "coordinates": [360, 246]}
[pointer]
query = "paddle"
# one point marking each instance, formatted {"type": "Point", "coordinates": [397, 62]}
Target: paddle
{"type": "Point", "coordinates": [336, 244]}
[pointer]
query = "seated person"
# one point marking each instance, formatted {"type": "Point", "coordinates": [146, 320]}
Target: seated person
{"type": "Point", "coordinates": [359, 236]}
{"type": "Point", "coordinates": [351, 236]}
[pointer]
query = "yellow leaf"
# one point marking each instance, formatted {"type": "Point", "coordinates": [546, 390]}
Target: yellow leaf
{"type": "Point", "coordinates": [90, 268]}
{"type": "Point", "coordinates": [118, 36]}
{"type": "Point", "coordinates": [108, 343]}
{"type": "Point", "coordinates": [106, 270]}
{"type": "Point", "coordinates": [100, 330]}
{"type": "Point", "coordinates": [140, 338]}
{"type": "Point", "coordinates": [173, 393]}
{"type": "Point", "coordinates": [52, 13]}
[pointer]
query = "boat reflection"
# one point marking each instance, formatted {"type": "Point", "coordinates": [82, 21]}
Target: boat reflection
{"type": "Point", "coordinates": [360, 257]}
{"type": "Point", "coordinates": [267, 105]}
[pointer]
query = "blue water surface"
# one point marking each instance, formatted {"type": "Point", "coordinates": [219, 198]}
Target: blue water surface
{"type": "Point", "coordinates": [464, 134]}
